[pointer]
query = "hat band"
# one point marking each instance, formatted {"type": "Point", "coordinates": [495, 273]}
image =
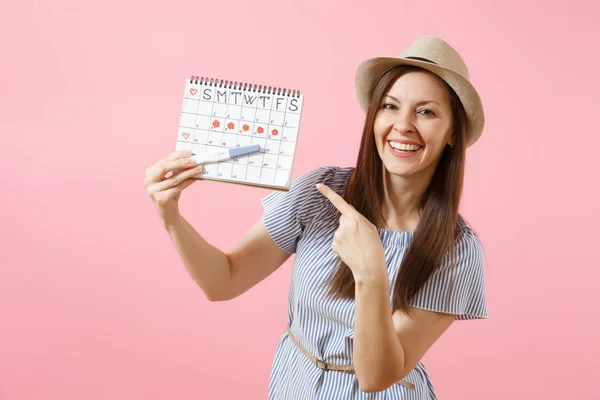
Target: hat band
{"type": "Point", "coordinates": [421, 59]}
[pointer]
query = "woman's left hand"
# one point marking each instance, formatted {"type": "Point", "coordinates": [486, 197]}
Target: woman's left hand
{"type": "Point", "coordinates": [356, 240]}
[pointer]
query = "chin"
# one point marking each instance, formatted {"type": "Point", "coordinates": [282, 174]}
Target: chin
{"type": "Point", "coordinates": [396, 169]}
{"type": "Point", "coordinates": [403, 167]}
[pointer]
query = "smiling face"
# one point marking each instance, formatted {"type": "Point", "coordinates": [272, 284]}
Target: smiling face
{"type": "Point", "coordinates": [413, 125]}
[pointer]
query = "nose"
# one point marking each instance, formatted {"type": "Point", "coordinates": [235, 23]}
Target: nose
{"type": "Point", "coordinates": [404, 122]}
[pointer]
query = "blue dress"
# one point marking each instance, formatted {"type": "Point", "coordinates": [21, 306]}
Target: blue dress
{"type": "Point", "coordinates": [303, 221]}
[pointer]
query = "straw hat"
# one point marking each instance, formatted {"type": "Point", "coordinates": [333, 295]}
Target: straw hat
{"type": "Point", "coordinates": [434, 55]}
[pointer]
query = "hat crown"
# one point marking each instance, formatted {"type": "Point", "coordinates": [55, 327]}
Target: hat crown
{"type": "Point", "coordinates": [436, 50]}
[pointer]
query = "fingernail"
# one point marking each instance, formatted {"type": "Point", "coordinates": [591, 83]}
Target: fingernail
{"type": "Point", "coordinates": [319, 185]}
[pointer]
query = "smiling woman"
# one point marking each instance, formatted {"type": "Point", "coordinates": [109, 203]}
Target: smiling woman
{"type": "Point", "coordinates": [384, 263]}
{"type": "Point", "coordinates": [415, 130]}
{"type": "Point", "coordinates": [419, 189]}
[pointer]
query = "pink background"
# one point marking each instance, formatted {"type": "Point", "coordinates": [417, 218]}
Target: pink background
{"type": "Point", "coordinates": [94, 302]}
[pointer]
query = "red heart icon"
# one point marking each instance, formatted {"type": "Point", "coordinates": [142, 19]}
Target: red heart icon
{"type": "Point", "coordinates": [185, 135]}
{"type": "Point", "coordinates": [193, 91]}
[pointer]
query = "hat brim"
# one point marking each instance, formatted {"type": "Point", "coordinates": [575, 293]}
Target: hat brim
{"type": "Point", "coordinates": [370, 70]}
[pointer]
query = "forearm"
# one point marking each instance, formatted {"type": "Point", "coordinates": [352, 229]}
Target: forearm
{"type": "Point", "coordinates": [378, 353]}
{"type": "Point", "coordinates": [207, 265]}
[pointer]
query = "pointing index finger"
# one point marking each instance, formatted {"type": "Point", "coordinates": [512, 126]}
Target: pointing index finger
{"type": "Point", "coordinates": [337, 201]}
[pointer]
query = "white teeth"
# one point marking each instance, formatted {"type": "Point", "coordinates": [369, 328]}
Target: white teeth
{"type": "Point", "coordinates": [404, 146]}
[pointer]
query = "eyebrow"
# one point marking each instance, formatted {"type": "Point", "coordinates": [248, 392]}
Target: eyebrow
{"type": "Point", "coordinates": [419, 103]}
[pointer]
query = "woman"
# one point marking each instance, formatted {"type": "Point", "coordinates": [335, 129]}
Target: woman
{"type": "Point", "coordinates": [384, 262]}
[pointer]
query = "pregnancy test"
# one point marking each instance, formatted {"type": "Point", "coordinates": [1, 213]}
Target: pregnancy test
{"type": "Point", "coordinates": [223, 155]}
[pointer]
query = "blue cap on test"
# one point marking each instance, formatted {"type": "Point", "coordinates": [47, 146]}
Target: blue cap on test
{"type": "Point", "coordinates": [240, 151]}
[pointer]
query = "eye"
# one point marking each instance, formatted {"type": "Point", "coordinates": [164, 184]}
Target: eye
{"type": "Point", "coordinates": [388, 106]}
{"type": "Point", "coordinates": [428, 112]}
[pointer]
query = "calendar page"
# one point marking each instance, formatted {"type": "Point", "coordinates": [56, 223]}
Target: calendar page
{"type": "Point", "coordinates": [218, 114]}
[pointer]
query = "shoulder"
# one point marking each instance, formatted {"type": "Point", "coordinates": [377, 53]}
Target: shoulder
{"type": "Point", "coordinates": [303, 188]}
{"type": "Point", "coordinates": [468, 245]}
{"type": "Point", "coordinates": [303, 196]}
{"type": "Point", "coordinates": [333, 176]}
{"type": "Point", "coordinates": [458, 284]}
{"type": "Point", "coordinates": [466, 234]}
{"type": "Point", "coordinates": [287, 214]}
{"type": "Point", "coordinates": [336, 178]}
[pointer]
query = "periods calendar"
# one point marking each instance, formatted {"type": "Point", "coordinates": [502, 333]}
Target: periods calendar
{"type": "Point", "coordinates": [218, 115]}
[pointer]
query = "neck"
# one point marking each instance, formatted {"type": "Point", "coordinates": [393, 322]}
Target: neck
{"type": "Point", "coordinates": [401, 200]}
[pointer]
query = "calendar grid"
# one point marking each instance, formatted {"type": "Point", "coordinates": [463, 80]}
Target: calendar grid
{"type": "Point", "coordinates": [216, 115]}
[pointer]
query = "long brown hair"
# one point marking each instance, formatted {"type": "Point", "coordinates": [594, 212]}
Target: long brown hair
{"type": "Point", "coordinates": [437, 228]}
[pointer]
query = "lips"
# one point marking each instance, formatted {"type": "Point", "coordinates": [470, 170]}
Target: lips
{"type": "Point", "coordinates": [404, 148]}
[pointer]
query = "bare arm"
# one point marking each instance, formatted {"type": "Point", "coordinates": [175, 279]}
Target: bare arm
{"type": "Point", "coordinates": [224, 276]}
{"type": "Point", "coordinates": [388, 346]}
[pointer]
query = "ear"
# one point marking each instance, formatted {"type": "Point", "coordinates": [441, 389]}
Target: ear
{"type": "Point", "coordinates": [452, 140]}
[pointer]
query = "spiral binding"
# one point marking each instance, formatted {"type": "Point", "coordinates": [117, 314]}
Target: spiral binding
{"type": "Point", "coordinates": [221, 83]}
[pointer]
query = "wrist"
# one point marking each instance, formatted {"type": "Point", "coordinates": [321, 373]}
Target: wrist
{"type": "Point", "coordinates": [372, 276]}
{"type": "Point", "coordinates": [171, 222]}
{"type": "Point", "coordinates": [373, 285]}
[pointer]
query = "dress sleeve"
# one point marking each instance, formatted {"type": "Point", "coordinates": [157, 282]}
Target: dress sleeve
{"type": "Point", "coordinates": [287, 213]}
{"type": "Point", "coordinates": [458, 289]}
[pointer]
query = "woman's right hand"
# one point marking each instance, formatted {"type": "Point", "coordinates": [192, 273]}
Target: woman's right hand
{"type": "Point", "coordinates": [164, 190]}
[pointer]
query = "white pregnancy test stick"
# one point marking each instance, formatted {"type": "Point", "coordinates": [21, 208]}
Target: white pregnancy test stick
{"type": "Point", "coordinates": [225, 154]}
